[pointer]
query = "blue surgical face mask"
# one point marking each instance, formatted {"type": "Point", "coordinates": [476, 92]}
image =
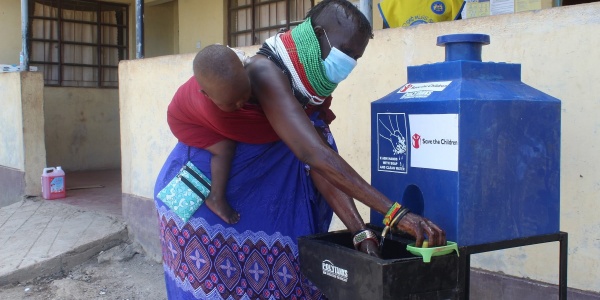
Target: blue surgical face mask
{"type": "Point", "coordinates": [338, 64]}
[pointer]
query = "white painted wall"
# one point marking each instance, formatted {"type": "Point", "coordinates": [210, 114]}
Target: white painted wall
{"type": "Point", "coordinates": [82, 128]}
{"type": "Point", "coordinates": [159, 29]}
{"type": "Point", "coordinates": [10, 31]}
{"type": "Point", "coordinates": [201, 21]}
{"type": "Point", "coordinates": [555, 49]}
{"type": "Point", "coordinates": [11, 132]}
{"type": "Point", "coordinates": [22, 126]}
{"type": "Point", "coordinates": [558, 50]}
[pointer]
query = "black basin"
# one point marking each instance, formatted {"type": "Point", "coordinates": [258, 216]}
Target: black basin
{"type": "Point", "coordinates": [331, 263]}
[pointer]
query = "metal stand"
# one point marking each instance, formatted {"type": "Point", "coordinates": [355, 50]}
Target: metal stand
{"type": "Point", "coordinates": [464, 270]}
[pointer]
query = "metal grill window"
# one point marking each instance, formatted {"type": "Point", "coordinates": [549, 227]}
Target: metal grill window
{"type": "Point", "coordinates": [78, 43]}
{"type": "Point", "coordinates": [251, 22]}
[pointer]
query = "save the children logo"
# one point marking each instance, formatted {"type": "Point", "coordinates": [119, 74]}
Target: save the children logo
{"type": "Point", "coordinates": [422, 89]}
{"type": "Point", "coordinates": [331, 270]}
{"type": "Point", "coordinates": [392, 146]}
{"type": "Point", "coordinates": [416, 138]}
{"type": "Point", "coordinates": [434, 141]}
{"type": "Point", "coordinates": [405, 88]}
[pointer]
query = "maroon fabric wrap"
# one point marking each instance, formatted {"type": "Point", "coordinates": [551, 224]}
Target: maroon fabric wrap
{"type": "Point", "coordinates": [196, 121]}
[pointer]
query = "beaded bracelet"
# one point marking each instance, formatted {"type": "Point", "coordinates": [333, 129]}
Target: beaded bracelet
{"type": "Point", "coordinates": [362, 236]}
{"type": "Point", "coordinates": [391, 213]}
{"type": "Point", "coordinates": [399, 216]}
{"type": "Point", "coordinates": [394, 221]}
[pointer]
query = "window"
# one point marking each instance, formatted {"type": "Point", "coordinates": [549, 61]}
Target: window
{"type": "Point", "coordinates": [78, 43]}
{"type": "Point", "coordinates": [251, 22]}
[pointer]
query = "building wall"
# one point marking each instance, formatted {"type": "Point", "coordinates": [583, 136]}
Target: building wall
{"type": "Point", "coordinates": [201, 21]}
{"type": "Point", "coordinates": [554, 47]}
{"type": "Point", "coordinates": [22, 152]}
{"type": "Point", "coordinates": [159, 37]}
{"type": "Point", "coordinates": [10, 31]}
{"type": "Point", "coordinates": [32, 95]}
{"type": "Point", "coordinates": [12, 156]}
{"type": "Point", "coordinates": [176, 27]}
{"type": "Point", "coordinates": [11, 132]}
{"type": "Point", "coordinates": [82, 128]}
{"type": "Point", "coordinates": [82, 124]}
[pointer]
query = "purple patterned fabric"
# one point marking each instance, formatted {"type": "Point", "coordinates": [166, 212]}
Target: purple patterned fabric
{"type": "Point", "coordinates": [204, 262]}
{"type": "Point", "coordinates": [257, 258]}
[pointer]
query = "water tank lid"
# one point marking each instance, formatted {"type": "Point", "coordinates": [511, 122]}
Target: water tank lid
{"type": "Point", "coordinates": [463, 38]}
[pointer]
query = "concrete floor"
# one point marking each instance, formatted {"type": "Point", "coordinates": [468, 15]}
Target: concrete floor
{"type": "Point", "coordinates": [41, 237]}
{"type": "Point", "coordinates": [98, 191]}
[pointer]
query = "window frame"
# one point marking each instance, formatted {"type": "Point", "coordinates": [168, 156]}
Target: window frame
{"type": "Point", "coordinates": [123, 50]}
{"type": "Point", "coordinates": [254, 6]}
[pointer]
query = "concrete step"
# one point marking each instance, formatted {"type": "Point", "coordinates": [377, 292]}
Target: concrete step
{"type": "Point", "coordinates": [42, 237]}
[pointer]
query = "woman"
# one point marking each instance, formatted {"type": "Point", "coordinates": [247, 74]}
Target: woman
{"type": "Point", "coordinates": [275, 186]}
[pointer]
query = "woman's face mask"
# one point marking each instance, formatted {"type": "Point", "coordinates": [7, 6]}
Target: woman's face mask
{"type": "Point", "coordinates": [337, 64]}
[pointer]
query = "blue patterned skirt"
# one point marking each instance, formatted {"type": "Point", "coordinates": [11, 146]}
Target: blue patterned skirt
{"type": "Point", "coordinates": [257, 258]}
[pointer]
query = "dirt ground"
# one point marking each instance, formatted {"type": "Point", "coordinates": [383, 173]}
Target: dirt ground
{"type": "Point", "coordinates": [118, 274]}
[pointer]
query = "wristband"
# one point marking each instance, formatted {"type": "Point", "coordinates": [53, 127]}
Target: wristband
{"type": "Point", "coordinates": [399, 216]}
{"type": "Point", "coordinates": [391, 213]}
{"type": "Point", "coordinates": [362, 236]}
{"type": "Point", "coordinates": [391, 224]}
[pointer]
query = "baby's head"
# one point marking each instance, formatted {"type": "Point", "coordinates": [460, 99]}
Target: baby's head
{"type": "Point", "coordinates": [222, 77]}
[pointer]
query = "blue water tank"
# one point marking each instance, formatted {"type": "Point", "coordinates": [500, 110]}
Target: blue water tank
{"type": "Point", "coordinates": [469, 146]}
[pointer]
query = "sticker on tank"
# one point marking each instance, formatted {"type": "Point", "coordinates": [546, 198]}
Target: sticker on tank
{"type": "Point", "coordinates": [392, 151]}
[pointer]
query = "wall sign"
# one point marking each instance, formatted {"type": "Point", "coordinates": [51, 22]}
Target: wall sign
{"type": "Point", "coordinates": [392, 147]}
{"type": "Point", "coordinates": [434, 141]}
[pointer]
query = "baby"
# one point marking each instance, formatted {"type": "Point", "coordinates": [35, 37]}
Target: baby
{"type": "Point", "coordinates": [222, 80]}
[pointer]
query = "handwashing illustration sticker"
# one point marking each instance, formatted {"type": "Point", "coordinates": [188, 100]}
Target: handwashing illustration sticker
{"type": "Point", "coordinates": [392, 150]}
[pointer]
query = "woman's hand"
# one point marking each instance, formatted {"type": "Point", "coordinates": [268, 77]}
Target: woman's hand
{"type": "Point", "coordinates": [369, 247]}
{"type": "Point", "coordinates": [418, 227]}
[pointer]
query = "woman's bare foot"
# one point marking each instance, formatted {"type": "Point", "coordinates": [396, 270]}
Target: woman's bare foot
{"type": "Point", "coordinates": [222, 209]}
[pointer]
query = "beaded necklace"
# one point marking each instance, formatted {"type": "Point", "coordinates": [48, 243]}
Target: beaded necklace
{"type": "Point", "coordinates": [309, 52]}
{"type": "Point", "coordinates": [299, 54]}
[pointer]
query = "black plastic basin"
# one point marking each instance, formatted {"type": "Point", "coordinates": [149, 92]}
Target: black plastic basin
{"type": "Point", "coordinates": [331, 263]}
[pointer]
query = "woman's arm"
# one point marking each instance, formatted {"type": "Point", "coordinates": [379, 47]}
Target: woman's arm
{"type": "Point", "coordinates": [272, 90]}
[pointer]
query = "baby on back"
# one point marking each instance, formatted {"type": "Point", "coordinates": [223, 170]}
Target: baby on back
{"type": "Point", "coordinates": [223, 80]}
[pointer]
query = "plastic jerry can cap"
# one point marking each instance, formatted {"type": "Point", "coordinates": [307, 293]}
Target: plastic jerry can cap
{"type": "Point", "coordinates": [463, 46]}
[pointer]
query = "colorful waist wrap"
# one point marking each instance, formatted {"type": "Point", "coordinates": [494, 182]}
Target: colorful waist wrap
{"type": "Point", "coordinates": [256, 258]}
